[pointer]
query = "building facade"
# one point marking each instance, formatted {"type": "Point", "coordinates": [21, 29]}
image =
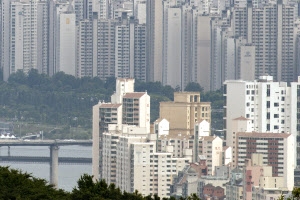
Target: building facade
{"type": "Point", "coordinates": [184, 112]}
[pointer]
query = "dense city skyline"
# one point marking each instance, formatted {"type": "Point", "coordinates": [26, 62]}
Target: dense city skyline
{"type": "Point", "coordinates": [173, 42]}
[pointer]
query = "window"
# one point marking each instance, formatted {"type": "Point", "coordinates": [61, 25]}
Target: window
{"type": "Point", "coordinates": [268, 104]}
{"type": "Point", "coordinates": [268, 92]}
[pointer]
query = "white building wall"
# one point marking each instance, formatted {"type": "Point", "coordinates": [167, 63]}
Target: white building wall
{"type": "Point", "coordinates": [172, 47]}
{"type": "Point", "coordinates": [230, 66]}
{"type": "Point", "coordinates": [162, 127]}
{"type": "Point", "coordinates": [67, 45]}
{"type": "Point", "coordinates": [144, 112]}
{"type": "Point", "coordinates": [122, 86]}
{"type": "Point", "coordinates": [216, 154]}
{"type": "Point", "coordinates": [234, 107]}
{"type": "Point", "coordinates": [247, 63]}
{"type": "Point", "coordinates": [154, 39]}
{"type": "Point", "coordinates": [203, 51]}
{"type": "Point", "coordinates": [203, 128]}
{"type": "Point", "coordinates": [267, 104]}
{"type": "Point", "coordinates": [24, 35]}
{"type": "Point", "coordinates": [289, 162]}
{"type": "Point", "coordinates": [140, 11]}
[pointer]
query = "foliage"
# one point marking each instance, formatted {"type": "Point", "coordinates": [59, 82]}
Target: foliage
{"type": "Point", "coordinates": [17, 185]}
{"type": "Point", "coordinates": [63, 100]}
{"type": "Point", "coordinates": [193, 87]}
{"type": "Point", "coordinates": [295, 195]}
{"type": "Point", "coordinates": [88, 189]}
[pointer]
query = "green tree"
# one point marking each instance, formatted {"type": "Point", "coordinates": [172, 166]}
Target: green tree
{"type": "Point", "coordinates": [295, 195]}
{"type": "Point", "coordinates": [87, 189]}
{"type": "Point", "coordinates": [17, 185]}
{"type": "Point", "coordinates": [193, 87]}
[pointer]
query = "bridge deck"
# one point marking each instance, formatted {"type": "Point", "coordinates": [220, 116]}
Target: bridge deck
{"type": "Point", "coordinates": [44, 142]}
{"type": "Point", "coordinates": [32, 159]}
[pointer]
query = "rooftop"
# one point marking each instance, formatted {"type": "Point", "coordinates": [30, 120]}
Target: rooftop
{"type": "Point", "coordinates": [263, 135]}
{"type": "Point", "coordinates": [134, 94]}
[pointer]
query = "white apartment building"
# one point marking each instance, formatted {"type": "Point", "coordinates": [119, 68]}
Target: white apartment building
{"type": "Point", "coordinates": [136, 109]}
{"type": "Point", "coordinates": [139, 10]}
{"type": "Point", "coordinates": [126, 107]}
{"type": "Point", "coordinates": [269, 106]}
{"type": "Point", "coordinates": [211, 147]}
{"type": "Point", "coordinates": [124, 65]}
{"type": "Point", "coordinates": [54, 8]}
{"type": "Point", "coordinates": [67, 42]}
{"type": "Point", "coordinates": [179, 145]}
{"type": "Point", "coordinates": [123, 86]}
{"type": "Point", "coordinates": [84, 61]}
{"type": "Point", "coordinates": [132, 163]}
{"type": "Point", "coordinates": [42, 36]}
{"type": "Point", "coordinates": [161, 127]}
{"type": "Point", "coordinates": [130, 56]}
{"type": "Point", "coordinates": [154, 21]}
{"type": "Point", "coordinates": [83, 10]}
{"type": "Point", "coordinates": [171, 67]}
{"type": "Point", "coordinates": [104, 47]}
{"type": "Point", "coordinates": [23, 42]}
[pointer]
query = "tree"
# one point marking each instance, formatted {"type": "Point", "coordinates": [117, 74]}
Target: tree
{"type": "Point", "coordinates": [88, 190]}
{"type": "Point", "coordinates": [193, 87]}
{"type": "Point", "coordinates": [17, 185]}
{"type": "Point", "coordinates": [295, 195]}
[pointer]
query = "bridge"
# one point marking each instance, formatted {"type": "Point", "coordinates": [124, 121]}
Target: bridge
{"type": "Point", "coordinates": [53, 159]}
{"type": "Point", "coordinates": [44, 142]}
{"type": "Point", "coordinates": [42, 159]}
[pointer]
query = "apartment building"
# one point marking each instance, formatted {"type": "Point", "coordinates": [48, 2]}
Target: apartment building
{"type": "Point", "coordinates": [262, 26]}
{"type": "Point", "coordinates": [171, 54]}
{"type": "Point", "coordinates": [23, 42]}
{"type": "Point", "coordinates": [131, 162]}
{"type": "Point", "coordinates": [184, 112]}
{"type": "Point", "coordinates": [178, 145]}
{"type": "Point", "coordinates": [130, 56]}
{"type": "Point", "coordinates": [253, 170]}
{"type": "Point", "coordinates": [126, 107]}
{"type": "Point", "coordinates": [211, 148]}
{"type": "Point", "coordinates": [256, 180]}
{"type": "Point", "coordinates": [84, 62]}
{"type": "Point", "coordinates": [136, 109]}
{"type": "Point", "coordinates": [67, 42]}
{"type": "Point", "coordinates": [269, 106]}
{"type": "Point", "coordinates": [234, 188]}
{"type": "Point", "coordinates": [277, 149]}
{"type": "Point", "coordinates": [154, 21]}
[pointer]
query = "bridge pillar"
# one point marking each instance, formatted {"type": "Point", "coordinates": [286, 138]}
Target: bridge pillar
{"type": "Point", "coordinates": [54, 165]}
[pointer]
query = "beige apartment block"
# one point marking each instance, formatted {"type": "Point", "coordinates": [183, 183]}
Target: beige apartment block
{"type": "Point", "coordinates": [184, 111]}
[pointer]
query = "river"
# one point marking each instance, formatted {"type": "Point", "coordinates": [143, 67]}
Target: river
{"type": "Point", "coordinates": [68, 174]}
